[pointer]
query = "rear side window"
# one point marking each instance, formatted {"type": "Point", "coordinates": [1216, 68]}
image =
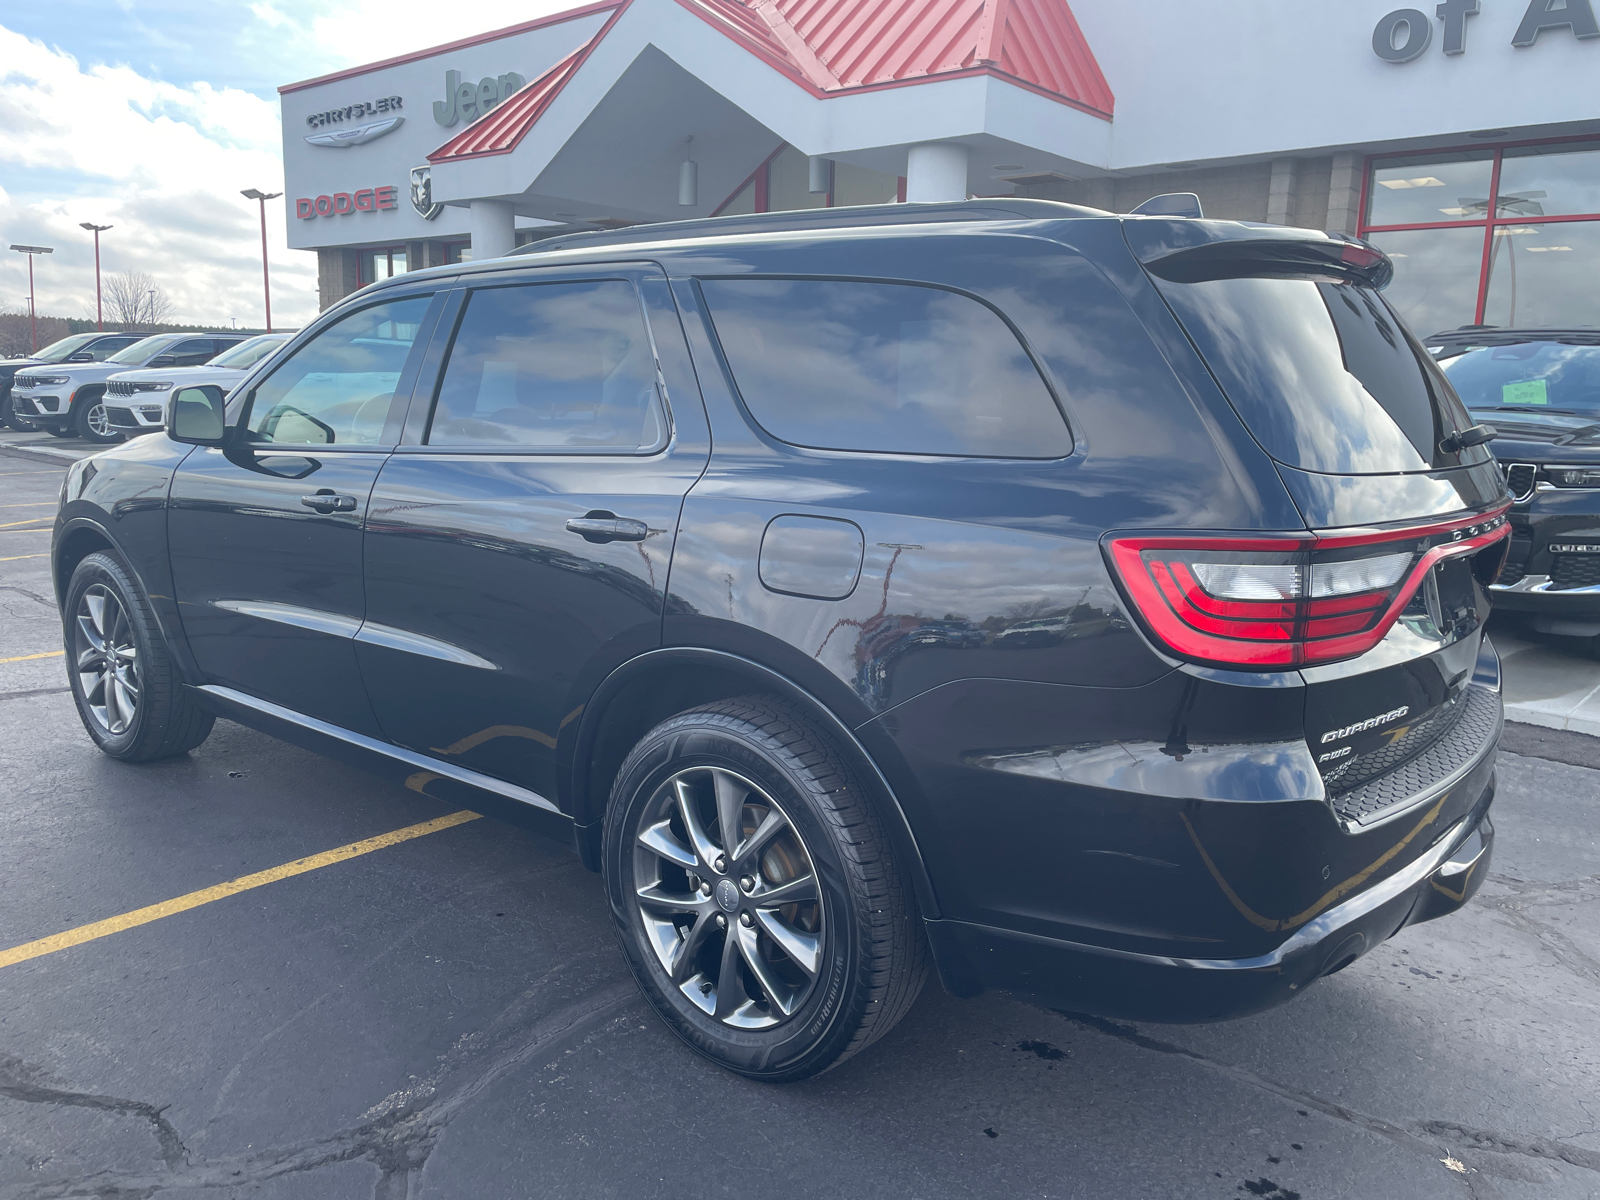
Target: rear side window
{"type": "Point", "coordinates": [883, 367]}
{"type": "Point", "coordinates": [552, 366]}
{"type": "Point", "coordinates": [1323, 373]}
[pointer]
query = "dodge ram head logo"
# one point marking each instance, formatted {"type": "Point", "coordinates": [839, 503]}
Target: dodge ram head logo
{"type": "Point", "coordinates": [422, 193]}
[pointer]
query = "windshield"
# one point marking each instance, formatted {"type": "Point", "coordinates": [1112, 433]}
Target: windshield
{"type": "Point", "coordinates": [1535, 377]}
{"type": "Point", "coordinates": [247, 354]}
{"type": "Point", "coordinates": [56, 351]}
{"type": "Point", "coordinates": [1323, 373]}
{"type": "Point", "coordinates": [139, 351]}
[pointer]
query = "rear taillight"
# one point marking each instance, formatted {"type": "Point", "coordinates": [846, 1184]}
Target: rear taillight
{"type": "Point", "coordinates": [1253, 601]}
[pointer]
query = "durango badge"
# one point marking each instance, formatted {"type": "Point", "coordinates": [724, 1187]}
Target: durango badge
{"type": "Point", "coordinates": [1394, 714]}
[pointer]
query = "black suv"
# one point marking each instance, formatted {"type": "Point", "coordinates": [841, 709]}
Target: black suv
{"type": "Point", "coordinates": [1091, 607]}
{"type": "Point", "coordinates": [1540, 389]}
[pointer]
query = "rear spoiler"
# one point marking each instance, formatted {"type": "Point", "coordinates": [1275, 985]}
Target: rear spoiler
{"type": "Point", "coordinates": [1190, 251]}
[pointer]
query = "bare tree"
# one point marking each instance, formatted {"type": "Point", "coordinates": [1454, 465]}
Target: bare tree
{"type": "Point", "coordinates": [133, 298]}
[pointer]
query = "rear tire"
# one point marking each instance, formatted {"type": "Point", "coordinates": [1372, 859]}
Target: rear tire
{"type": "Point", "coordinates": [786, 948]}
{"type": "Point", "coordinates": [129, 694]}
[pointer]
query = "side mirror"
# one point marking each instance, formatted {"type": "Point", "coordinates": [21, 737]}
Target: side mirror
{"type": "Point", "coordinates": [162, 360]}
{"type": "Point", "coordinates": [197, 415]}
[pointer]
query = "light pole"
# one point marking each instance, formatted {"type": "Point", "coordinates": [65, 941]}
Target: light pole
{"type": "Point", "coordinates": [98, 230]}
{"type": "Point", "coordinates": [33, 316]}
{"type": "Point", "coordinates": [266, 286]}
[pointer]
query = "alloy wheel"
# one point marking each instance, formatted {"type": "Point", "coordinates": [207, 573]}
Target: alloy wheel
{"type": "Point", "coordinates": [99, 421]}
{"type": "Point", "coordinates": [728, 898]}
{"type": "Point", "coordinates": [106, 659]}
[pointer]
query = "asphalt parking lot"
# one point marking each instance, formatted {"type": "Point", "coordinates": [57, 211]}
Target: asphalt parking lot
{"type": "Point", "coordinates": [446, 1015]}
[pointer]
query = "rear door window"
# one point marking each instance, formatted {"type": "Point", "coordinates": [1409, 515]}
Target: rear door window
{"type": "Point", "coordinates": [883, 367]}
{"type": "Point", "coordinates": [1323, 373]}
{"type": "Point", "coordinates": [556, 366]}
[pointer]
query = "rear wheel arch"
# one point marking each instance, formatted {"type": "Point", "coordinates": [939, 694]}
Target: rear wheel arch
{"type": "Point", "coordinates": [647, 689]}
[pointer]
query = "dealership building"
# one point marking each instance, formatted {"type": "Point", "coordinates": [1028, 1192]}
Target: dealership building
{"type": "Point", "coordinates": [1463, 138]}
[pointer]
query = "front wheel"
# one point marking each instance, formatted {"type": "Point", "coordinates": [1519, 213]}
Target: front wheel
{"type": "Point", "coordinates": [755, 893]}
{"type": "Point", "coordinates": [126, 686]}
{"type": "Point", "coordinates": [93, 423]}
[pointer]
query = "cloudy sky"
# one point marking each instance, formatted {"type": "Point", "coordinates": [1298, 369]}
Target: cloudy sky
{"type": "Point", "coordinates": [151, 117]}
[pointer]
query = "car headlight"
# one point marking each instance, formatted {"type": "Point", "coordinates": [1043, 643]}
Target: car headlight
{"type": "Point", "coordinates": [47, 380]}
{"type": "Point", "coordinates": [152, 387]}
{"type": "Point", "coordinates": [1573, 477]}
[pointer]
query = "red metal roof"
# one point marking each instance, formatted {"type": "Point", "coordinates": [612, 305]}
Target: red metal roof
{"type": "Point", "coordinates": [839, 45]}
{"type": "Point", "coordinates": [836, 46]}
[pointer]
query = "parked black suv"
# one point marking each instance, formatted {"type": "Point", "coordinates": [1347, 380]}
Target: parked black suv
{"type": "Point", "coordinates": [1092, 606]}
{"type": "Point", "coordinates": [1540, 389]}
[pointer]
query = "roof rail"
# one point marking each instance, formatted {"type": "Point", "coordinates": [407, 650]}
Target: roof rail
{"type": "Point", "coordinates": [996, 208]}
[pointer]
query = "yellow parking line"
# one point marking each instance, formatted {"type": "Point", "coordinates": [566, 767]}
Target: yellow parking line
{"type": "Point", "coordinates": [30, 504]}
{"type": "Point", "coordinates": [19, 557]}
{"type": "Point", "coordinates": [29, 521]}
{"type": "Point", "coordinates": [41, 654]}
{"type": "Point", "coordinates": [154, 912]}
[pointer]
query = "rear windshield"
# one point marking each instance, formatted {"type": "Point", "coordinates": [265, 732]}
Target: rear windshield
{"type": "Point", "coordinates": [1323, 374]}
{"type": "Point", "coordinates": [1538, 377]}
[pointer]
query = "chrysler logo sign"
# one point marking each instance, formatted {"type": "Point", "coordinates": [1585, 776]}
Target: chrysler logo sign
{"type": "Point", "coordinates": [356, 135]}
{"type": "Point", "coordinates": [371, 117]}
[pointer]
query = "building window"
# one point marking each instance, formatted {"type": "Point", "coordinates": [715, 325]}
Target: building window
{"type": "Point", "coordinates": [1528, 257]}
{"type": "Point", "coordinates": [384, 263]}
{"type": "Point", "coordinates": [783, 184]}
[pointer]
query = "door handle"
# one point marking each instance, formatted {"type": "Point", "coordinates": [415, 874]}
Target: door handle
{"type": "Point", "coordinates": [604, 527]}
{"type": "Point", "coordinates": [329, 502]}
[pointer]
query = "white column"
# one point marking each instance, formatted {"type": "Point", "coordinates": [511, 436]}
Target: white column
{"type": "Point", "coordinates": [493, 229]}
{"type": "Point", "coordinates": [936, 171]}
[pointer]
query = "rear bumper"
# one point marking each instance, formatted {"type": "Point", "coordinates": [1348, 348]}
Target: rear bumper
{"type": "Point", "coordinates": [1145, 987]}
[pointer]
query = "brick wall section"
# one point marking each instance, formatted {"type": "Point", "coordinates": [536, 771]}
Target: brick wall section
{"type": "Point", "coordinates": [1284, 191]}
{"type": "Point", "coordinates": [338, 275]}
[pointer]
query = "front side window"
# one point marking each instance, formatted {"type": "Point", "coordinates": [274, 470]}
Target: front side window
{"type": "Point", "coordinates": [551, 366]}
{"type": "Point", "coordinates": [193, 352]}
{"type": "Point", "coordinates": [883, 367]}
{"type": "Point", "coordinates": [103, 350]}
{"type": "Point", "coordinates": [338, 388]}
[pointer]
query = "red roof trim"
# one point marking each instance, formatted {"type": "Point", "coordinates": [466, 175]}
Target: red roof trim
{"type": "Point", "coordinates": [559, 18]}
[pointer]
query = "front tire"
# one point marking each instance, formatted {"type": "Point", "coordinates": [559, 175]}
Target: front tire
{"type": "Point", "coordinates": [755, 893]}
{"type": "Point", "coordinates": [123, 679]}
{"type": "Point", "coordinates": [93, 423]}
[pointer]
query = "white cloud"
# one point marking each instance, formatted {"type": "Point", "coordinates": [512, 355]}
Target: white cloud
{"type": "Point", "coordinates": [163, 165]}
{"type": "Point", "coordinates": [164, 162]}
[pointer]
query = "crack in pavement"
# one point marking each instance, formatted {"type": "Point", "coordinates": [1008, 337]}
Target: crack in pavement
{"type": "Point", "coordinates": [1526, 896]}
{"type": "Point", "coordinates": [1411, 1136]}
{"type": "Point", "coordinates": [17, 1081]}
{"type": "Point", "coordinates": [398, 1143]}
